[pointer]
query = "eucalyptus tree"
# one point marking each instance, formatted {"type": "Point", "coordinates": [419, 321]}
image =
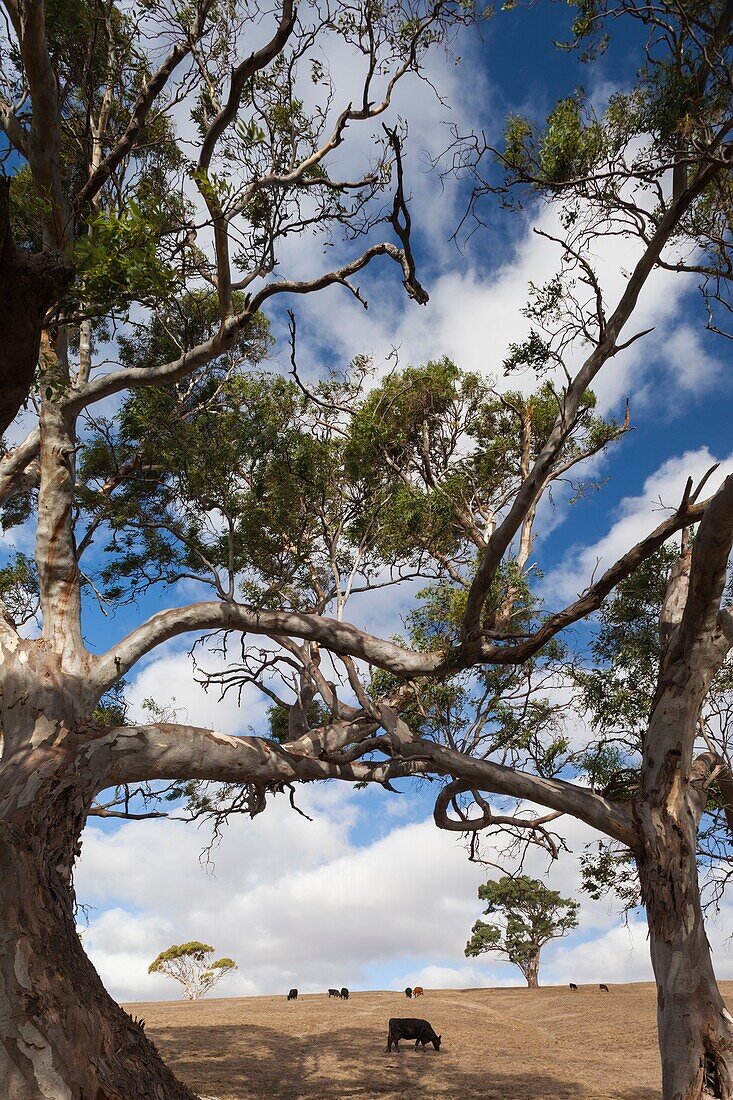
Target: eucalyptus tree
{"type": "Point", "coordinates": [531, 915]}
{"type": "Point", "coordinates": [157, 161]}
{"type": "Point", "coordinates": [654, 169]}
{"type": "Point", "coordinates": [290, 504]}
{"type": "Point", "coordinates": [192, 966]}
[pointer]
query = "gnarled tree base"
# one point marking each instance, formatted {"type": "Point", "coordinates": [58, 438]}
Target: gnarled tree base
{"type": "Point", "coordinates": [62, 1037]}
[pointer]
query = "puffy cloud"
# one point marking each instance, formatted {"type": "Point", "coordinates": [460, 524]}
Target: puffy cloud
{"type": "Point", "coordinates": [475, 312]}
{"type": "Point", "coordinates": [291, 901]}
{"type": "Point", "coordinates": [322, 903]}
{"type": "Point", "coordinates": [689, 361]}
{"type": "Point", "coordinates": [119, 943]}
{"type": "Point", "coordinates": [619, 955]}
{"type": "Point", "coordinates": [458, 977]}
{"type": "Point", "coordinates": [168, 679]}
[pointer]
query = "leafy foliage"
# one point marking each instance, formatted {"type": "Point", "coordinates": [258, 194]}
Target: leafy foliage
{"type": "Point", "coordinates": [532, 915]}
{"type": "Point", "coordinates": [19, 589]}
{"type": "Point", "coordinates": [617, 693]}
{"type": "Point", "coordinates": [191, 965]}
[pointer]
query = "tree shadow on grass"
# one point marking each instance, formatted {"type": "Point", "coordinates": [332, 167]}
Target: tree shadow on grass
{"type": "Point", "coordinates": [250, 1062]}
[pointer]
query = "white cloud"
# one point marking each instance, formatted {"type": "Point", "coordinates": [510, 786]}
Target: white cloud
{"type": "Point", "coordinates": [458, 977]}
{"type": "Point", "coordinates": [292, 902]}
{"type": "Point", "coordinates": [689, 362]}
{"type": "Point", "coordinates": [474, 314]}
{"type": "Point", "coordinates": [619, 955]}
{"type": "Point", "coordinates": [118, 942]}
{"type": "Point", "coordinates": [168, 680]}
{"type": "Point", "coordinates": [311, 904]}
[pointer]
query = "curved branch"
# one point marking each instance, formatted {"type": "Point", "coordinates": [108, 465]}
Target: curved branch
{"type": "Point", "coordinates": [107, 385]}
{"type": "Point", "coordinates": [690, 511]}
{"type": "Point", "coordinates": [14, 465]}
{"type": "Point", "coordinates": [338, 637]}
{"type": "Point", "coordinates": [149, 92]}
{"type": "Point", "coordinates": [345, 639]}
{"type": "Point", "coordinates": [240, 75]}
{"type": "Point", "coordinates": [488, 819]}
{"type": "Point", "coordinates": [343, 274]}
{"type": "Point", "coordinates": [612, 818]}
{"type": "Point", "coordinates": [464, 824]}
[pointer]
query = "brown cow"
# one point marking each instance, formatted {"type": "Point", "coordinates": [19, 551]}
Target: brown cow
{"type": "Point", "coordinates": [418, 991]}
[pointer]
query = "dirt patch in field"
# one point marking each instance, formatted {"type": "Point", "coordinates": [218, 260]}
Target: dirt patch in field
{"type": "Point", "coordinates": [498, 1044]}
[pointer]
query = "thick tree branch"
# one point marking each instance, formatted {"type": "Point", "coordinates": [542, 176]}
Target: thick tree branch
{"type": "Point", "coordinates": [707, 769]}
{"type": "Point", "coordinates": [488, 819]}
{"type": "Point", "coordinates": [56, 560]}
{"type": "Point", "coordinates": [694, 654]}
{"type": "Point", "coordinates": [708, 572]}
{"type": "Point", "coordinates": [612, 818]}
{"type": "Point", "coordinates": [16, 462]}
{"type": "Point", "coordinates": [44, 137]}
{"type": "Point", "coordinates": [28, 285]}
{"type": "Point", "coordinates": [338, 637]}
{"type": "Point", "coordinates": [689, 511]}
{"type": "Point", "coordinates": [133, 754]}
{"type": "Point", "coordinates": [344, 638]}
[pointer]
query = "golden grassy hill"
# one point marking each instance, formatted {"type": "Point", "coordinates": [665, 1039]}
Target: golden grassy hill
{"type": "Point", "coordinates": [498, 1044]}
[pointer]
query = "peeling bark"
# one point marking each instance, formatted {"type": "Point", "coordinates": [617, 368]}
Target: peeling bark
{"type": "Point", "coordinates": [695, 1028]}
{"type": "Point", "coordinates": [62, 1037]}
{"type": "Point", "coordinates": [56, 557]}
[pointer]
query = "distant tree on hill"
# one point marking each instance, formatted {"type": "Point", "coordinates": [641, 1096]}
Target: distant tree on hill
{"type": "Point", "coordinates": [532, 914]}
{"type": "Point", "coordinates": [191, 965]}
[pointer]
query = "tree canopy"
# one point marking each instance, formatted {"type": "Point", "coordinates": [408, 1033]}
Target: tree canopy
{"type": "Point", "coordinates": [167, 457]}
{"type": "Point", "coordinates": [190, 964]}
{"type": "Point", "coordinates": [531, 915]}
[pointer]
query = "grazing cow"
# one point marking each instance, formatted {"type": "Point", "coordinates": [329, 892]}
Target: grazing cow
{"type": "Point", "coordinates": [419, 1030]}
{"type": "Point", "coordinates": [418, 991]}
{"type": "Point", "coordinates": [293, 995]}
{"type": "Point", "coordinates": [334, 993]}
{"type": "Point", "coordinates": [408, 992]}
{"type": "Point", "coordinates": [603, 988]}
{"type": "Point", "coordinates": [344, 994]}
{"type": "Point", "coordinates": [573, 985]}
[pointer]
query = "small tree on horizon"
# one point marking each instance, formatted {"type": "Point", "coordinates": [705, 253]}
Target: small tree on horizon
{"type": "Point", "coordinates": [533, 915]}
{"type": "Point", "coordinates": [191, 965]}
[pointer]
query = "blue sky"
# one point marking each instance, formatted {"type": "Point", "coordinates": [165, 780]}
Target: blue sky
{"type": "Point", "coordinates": [369, 894]}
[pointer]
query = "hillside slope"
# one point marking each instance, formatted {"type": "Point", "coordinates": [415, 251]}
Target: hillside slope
{"type": "Point", "coordinates": [498, 1044]}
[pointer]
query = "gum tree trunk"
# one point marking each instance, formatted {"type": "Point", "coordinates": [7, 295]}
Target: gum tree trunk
{"type": "Point", "coordinates": [695, 1028]}
{"type": "Point", "coordinates": [62, 1037]}
{"type": "Point", "coordinates": [532, 972]}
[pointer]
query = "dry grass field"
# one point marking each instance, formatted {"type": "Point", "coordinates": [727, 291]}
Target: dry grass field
{"type": "Point", "coordinates": [498, 1044]}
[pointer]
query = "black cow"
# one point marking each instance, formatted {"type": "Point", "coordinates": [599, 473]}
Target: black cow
{"type": "Point", "coordinates": [408, 992]}
{"type": "Point", "coordinates": [344, 994]}
{"type": "Point", "coordinates": [419, 1030]}
{"type": "Point", "coordinates": [603, 988]}
{"type": "Point", "coordinates": [334, 993]}
{"type": "Point", "coordinates": [293, 995]}
{"type": "Point", "coordinates": [573, 985]}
